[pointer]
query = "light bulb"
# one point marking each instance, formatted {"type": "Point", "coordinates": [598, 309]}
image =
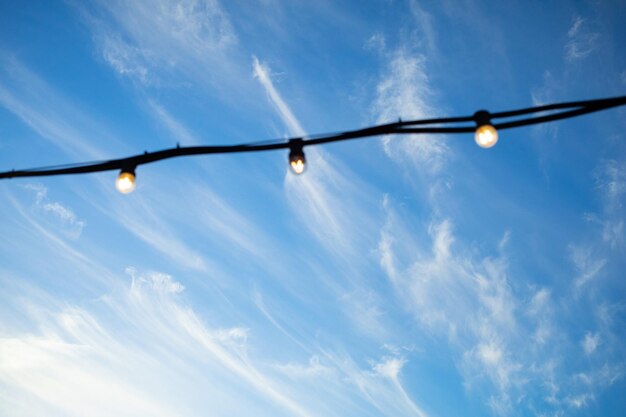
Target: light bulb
{"type": "Point", "coordinates": [486, 136]}
{"type": "Point", "coordinates": [297, 163]}
{"type": "Point", "coordinates": [125, 182]}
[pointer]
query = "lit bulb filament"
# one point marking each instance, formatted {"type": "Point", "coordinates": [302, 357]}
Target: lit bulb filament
{"type": "Point", "coordinates": [125, 182]}
{"type": "Point", "coordinates": [486, 136]}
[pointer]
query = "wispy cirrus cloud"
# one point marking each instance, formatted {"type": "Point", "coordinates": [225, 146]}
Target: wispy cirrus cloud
{"type": "Point", "coordinates": [176, 128]}
{"type": "Point", "coordinates": [68, 127]}
{"type": "Point", "coordinates": [611, 181]}
{"type": "Point", "coordinates": [581, 41]}
{"type": "Point", "coordinates": [587, 263]}
{"type": "Point", "coordinates": [142, 348]}
{"type": "Point", "coordinates": [58, 213]}
{"type": "Point", "coordinates": [404, 91]}
{"type": "Point", "coordinates": [99, 355]}
{"type": "Point", "coordinates": [426, 26]}
{"type": "Point", "coordinates": [380, 385]}
{"type": "Point", "coordinates": [313, 369]}
{"type": "Point", "coordinates": [321, 196]}
{"type": "Point", "coordinates": [42, 231]}
{"type": "Point", "coordinates": [327, 201]}
{"type": "Point", "coordinates": [146, 224]}
{"type": "Point", "coordinates": [590, 343]}
{"type": "Point", "coordinates": [458, 297]}
{"type": "Point", "coordinates": [49, 113]}
{"type": "Point", "coordinates": [263, 74]}
{"type": "Point", "coordinates": [165, 42]}
{"type": "Point", "coordinates": [504, 337]}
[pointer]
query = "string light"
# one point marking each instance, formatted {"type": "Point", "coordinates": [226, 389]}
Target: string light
{"type": "Point", "coordinates": [125, 182]}
{"type": "Point", "coordinates": [480, 124]}
{"type": "Point", "coordinates": [297, 161]}
{"type": "Point", "coordinates": [486, 135]}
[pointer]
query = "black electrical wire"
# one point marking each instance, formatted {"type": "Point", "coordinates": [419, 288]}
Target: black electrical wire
{"type": "Point", "coordinates": [557, 111]}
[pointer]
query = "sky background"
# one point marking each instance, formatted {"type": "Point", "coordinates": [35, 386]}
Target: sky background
{"type": "Point", "coordinates": [399, 276]}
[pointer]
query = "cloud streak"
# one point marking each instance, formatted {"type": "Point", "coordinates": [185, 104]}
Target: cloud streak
{"type": "Point", "coordinates": [262, 73]}
{"type": "Point", "coordinates": [61, 215]}
{"type": "Point", "coordinates": [500, 339]}
{"type": "Point", "coordinates": [158, 43]}
{"type": "Point", "coordinates": [581, 40]}
{"type": "Point", "coordinates": [49, 113]}
{"type": "Point", "coordinates": [90, 364]}
{"type": "Point", "coordinates": [404, 91]}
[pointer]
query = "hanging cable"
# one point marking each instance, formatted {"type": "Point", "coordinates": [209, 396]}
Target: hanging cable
{"type": "Point", "coordinates": [483, 124]}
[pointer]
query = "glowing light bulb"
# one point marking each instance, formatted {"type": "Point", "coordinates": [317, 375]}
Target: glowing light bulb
{"type": "Point", "coordinates": [486, 136]}
{"type": "Point", "coordinates": [125, 182]}
{"type": "Point", "coordinates": [297, 163]}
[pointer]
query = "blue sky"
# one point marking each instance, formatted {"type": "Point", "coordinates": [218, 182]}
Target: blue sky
{"type": "Point", "coordinates": [399, 276]}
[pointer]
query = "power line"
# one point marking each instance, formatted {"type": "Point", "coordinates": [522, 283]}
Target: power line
{"type": "Point", "coordinates": [484, 124]}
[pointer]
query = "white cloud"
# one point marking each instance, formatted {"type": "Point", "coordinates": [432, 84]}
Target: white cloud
{"type": "Point", "coordinates": [127, 60]}
{"type": "Point", "coordinates": [330, 202]}
{"type": "Point", "coordinates": [142, 218]}
{"type": "Point", "coordinates": [404, 91]}
{"type": "Point", "coordinates": [377, 43]}
{"type": "Point", "coordinates": [313, 191]}
{"type": "Point", "coordinates": [602, 376]}
{"type": "Point", "coordinates": [590, 343]}
{"type": "Point", "coordinates": [142, 349]}
{"type": "Point", "coordinates": [507, 340]}
{"type": "Point", "coordinates": [165, 42]}
{"type": "Point", "coordinates": [64, 214]}
{"type": "Point", "coordinates": [313, 369]}
{"type": "Point", "coordinates": [609, 374]}
{"type": "Point", "coordinates": [444, 289]}
{"type": "Point", "coordinates": [156, 281]}
{"type": "Point", "coordinates": [545, 135]}
{"type": "Point", "coordinates": [325, 197]}
{"type": "Point", "coordinates": [610, 178]}
{"type": "Point", "coordinates": [540, 311]}
{"type": "Point", "coordinates": [581, 40]}
{"type": "Point", "coordinates": [587, 264]}
{"type": "Point", "coordinates": [138, 352]}
{"type": "Point", "coordinates": [380, 386]}
{"type": "Point", "coordinates": [489, 354]}
{"type": "Point", "coordinates": [425, 25]}
{"type": "Point", "coordinates": [263, 74]}
{"type": "Point", "coordinates": [539, 301]}
{"type": "Point", "coordinates": [175, 127]}
{"type": "Point", "coordinates": [390, 367]}
{"type": "Point", "coordinates": [55, 213]}
{"type": "Point", "coordinates": [365, 308]}
{"type": "Point", "coordinates": [69, 128]}
{"type": "Point", "coordinates": [613, 232]}
{"type": "Point", "coordinates": [548, 91]}
{"type": "Point", "coordinates": [45, 236]}
{"type": "Point", "coordinates": [51, 115]}
{"type": "Point", "coordinates": [579, 401]}
{"type": "Point", "coordinates": [153, 216]}
{"type": "Point", "coordinates": [459, 296]}
{"type": "Point", "coordinates": [611, 181]}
